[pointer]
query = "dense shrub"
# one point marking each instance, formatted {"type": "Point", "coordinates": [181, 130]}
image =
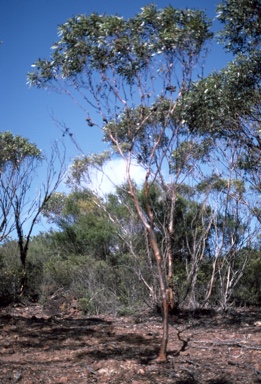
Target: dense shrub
{"type": "Point", "coordinates": [248, 291]}
{"type": "Point", "coordinates": [113, 285]}
{"type": "Point", "coordinates": [10, 273]}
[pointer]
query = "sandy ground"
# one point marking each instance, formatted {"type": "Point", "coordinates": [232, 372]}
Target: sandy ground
{"type": "Point", "coordinates": [36, 347]}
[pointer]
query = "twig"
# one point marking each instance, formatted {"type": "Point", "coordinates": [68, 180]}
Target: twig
{"type": "Point", "coordinates": [228, 343]}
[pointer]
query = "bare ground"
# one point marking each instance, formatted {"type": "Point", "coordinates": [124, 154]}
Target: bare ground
{"type": "Point", "coordinates": [36, 347]}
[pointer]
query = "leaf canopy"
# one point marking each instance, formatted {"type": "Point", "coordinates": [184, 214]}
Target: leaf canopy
{"type": "Point", "coordinates": [14, 149]}
{"type": "Point", "coordinates": [101, 42]}
{"type": "Point", "coordinates": [242, 25]}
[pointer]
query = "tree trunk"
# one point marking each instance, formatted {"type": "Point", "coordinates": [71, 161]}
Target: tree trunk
{"type": "Point", "coordinates": [149, 225]}
{"type": "Point", "coordinates": [162, 357]}
{"type": "Point", "coordinates": [191, 293]}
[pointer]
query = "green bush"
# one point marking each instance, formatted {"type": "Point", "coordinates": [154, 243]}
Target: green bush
{"type": "Point", "coordinates": [248, 291]}
{"type": "Point", "coordinates": [10, 273]}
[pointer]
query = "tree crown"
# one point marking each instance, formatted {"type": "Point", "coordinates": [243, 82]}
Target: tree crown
{"type": "Point", "coordinates": [14, 149]}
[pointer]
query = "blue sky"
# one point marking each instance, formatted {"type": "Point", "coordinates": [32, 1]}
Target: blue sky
{"type": "Point", "coordinates": [28, 28]}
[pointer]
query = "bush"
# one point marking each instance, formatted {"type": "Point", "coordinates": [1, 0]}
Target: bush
{"type": "Point", "coordinates": [10, 273]}
{"type": "Point", "coordinates": [248, 291]}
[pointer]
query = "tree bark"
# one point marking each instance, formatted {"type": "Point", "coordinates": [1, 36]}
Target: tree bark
{"type": "Point", "coordinates": [164, 296]}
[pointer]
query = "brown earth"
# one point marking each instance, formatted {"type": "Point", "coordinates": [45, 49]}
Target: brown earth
{"type": "Point", "coordinates": [204, 347]}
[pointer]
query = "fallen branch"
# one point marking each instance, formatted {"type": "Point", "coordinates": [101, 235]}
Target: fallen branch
{"type": "Point", "coordinates": [227, 343]}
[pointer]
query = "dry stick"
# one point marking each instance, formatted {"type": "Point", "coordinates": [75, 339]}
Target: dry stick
{"type": "Point", "coordinates": [226, 343]}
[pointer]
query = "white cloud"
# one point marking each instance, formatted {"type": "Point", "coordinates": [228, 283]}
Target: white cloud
{"type": "Point", "coordinates": [115, 174]}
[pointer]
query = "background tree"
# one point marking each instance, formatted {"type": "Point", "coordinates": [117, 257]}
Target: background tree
{"type": "Point", "coordinates": [20, 163]}
{"type": "Point", "coordinates": [242, 29]}
{"type": "Point", "coordinates": [83, 227]}
{"type": "Point", "coordinates": [14, 152]}
{"type": "Point", "coordinates": [93, 249]}
{"type": "Point", "coordinates": [234, 228]}
{"type": "Point", "coordinates": [226, 104]}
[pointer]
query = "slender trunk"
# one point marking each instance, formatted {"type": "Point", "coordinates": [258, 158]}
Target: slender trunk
{"type": "Point", "coordinates": [165, 331]}
{"type": "Point", "coordinates": [169, 235]}
{"type": "Point", "coordinates": [211, 283]}
{"type": "Point", "coordinates": [191, 293]}
{"type": "Point", "coordinates": [150, 255]}
{"type": "Point", "coordinates": [23, 249]}
{"type": "Point", "coordinates": [149, 225]}
{"type": "Point", "coordinates": [170, 288]}
{"type": "Point", "coordinates": [164, 296]}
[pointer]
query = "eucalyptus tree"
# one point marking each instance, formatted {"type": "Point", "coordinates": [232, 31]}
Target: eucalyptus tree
{"type": "Point", "coordinates": [234, 229]}
{"type": "Point", "coordinates": [226, 104]}
{"type": "Point", "coordinates": [81, 225]}
{"type": "Point", "coordinates": [242, 28]}
{"type": "Point", "coordinates": [130, 77]}
{"type": "Point", "coordinates": [106, 234]}
{"type": "Point", "coordinates": [20, 163]}
{"type": "Point", "coordinates": [18, 158]}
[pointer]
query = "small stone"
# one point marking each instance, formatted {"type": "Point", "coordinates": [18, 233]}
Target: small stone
{"type": "Point", "coordinates": [105, 371]}
{"type": "Point", "coordinates": [17, 376]}
{"type": "Point", "coordinates": [63, 380]}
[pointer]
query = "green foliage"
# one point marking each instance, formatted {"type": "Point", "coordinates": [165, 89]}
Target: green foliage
{"type": "Point", "coordinates": [217, 104]}
{"type": "Point", "coordinates": [19, 160]}
{"type": "Point", "coordinates": [242, 24]}
{"type": "Point", "coordinates": [10, 273]}
{"type": "Point", "coordinates": [108, 280]}
{"type": "Point", "coordinates": [84, 227]}
{"type": "Point", "coordinates": [216, 183]}
{"type": "Point", "coordinates": [53, 209]}
{"type": "Point", "coordinates": [190, 153]}
{"type": "Point", "coordinates": [100, 286]}
{"type": "Point", "coordinates": [248, 291]}
{"type": "Point", "coordinates": [82, 166]}
{"type": "Point", "coordinates": [14, 149]}
{"type": "Point", "coordinates": [226, 104]}
{"type": "Point", "coordinates": [101, 42]}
